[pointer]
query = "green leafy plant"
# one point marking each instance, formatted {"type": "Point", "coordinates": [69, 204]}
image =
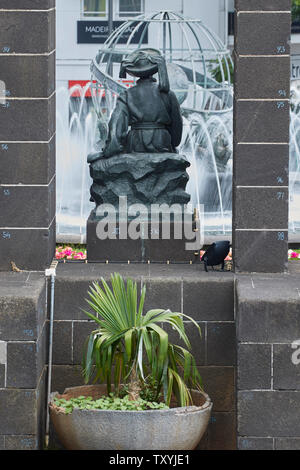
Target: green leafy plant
{"type": "Point", "coordinates": [107, 403]}
{"type": "Point", "coordinates": [216, 67]}
{"type": "Point", "coordinates": [136, 347]}
{"type": "Point", "coordinates": [296, 10]}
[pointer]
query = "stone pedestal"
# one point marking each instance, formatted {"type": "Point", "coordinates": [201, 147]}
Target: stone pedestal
{"type": "Point", "coordinates": [144, 178]}
{"type": "Point", "coordinates": [157, 242]}
{"type": "Point", "coordinates": [150, 186]}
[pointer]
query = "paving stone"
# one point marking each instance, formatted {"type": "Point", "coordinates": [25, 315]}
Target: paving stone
{"type": "Point", "coordinates": [221, 344]}
{"type": "Point", "coordinates": [222, 431]}
{"type": "Point", "coordinates": [62, 342]}
{"type": "Point", "coordinates": [254, 366]}
{"type": "Point", "coordinates": [252, 443]}
{"type": "Point", "coordinates": [27, 163]}
{"type": "Point", "coordinates": [219, 384]}
{"type": "Point", "coordinates": [209, 298]}
{"type": "Point", "coordinates": [286, 373]}
{"type": "Point", "coordinates": [42, 348]}
{"type": "Point", "coordinates": [252, 208]}
{"type": "Point", "coordinates": [28, 76]}
{"type": "Point", "coordinates": [251, 37]}
{"type": "Point", "coordinates": [20, 443]}
{"type": "Point", "coordinates": [263, 5]}
{"type": "Point", "coordinates": [21, 365]}
{"type": "Point", "coordinates": [27, 4]}
{"type": "Point", "coordinates": [73, 282]}
{"type": "Point", "coordinates": [268, 413]}
{"type": "Point", "coordinates": [287, 443]}
{"type": "Point", "coordinates": [261, 165]}
{"type": "Point", "coordinates": [260, 251]}
{"type": "Point", "coordinates": [22, 306]}
{"type": "Point", "coordinates": [18, 411]}
{"type": "Point", "coordinates": [70, 299]}
{"type": "Point", "coordinates": [27, 32]}
{"type": "Point", "coordinates": [268, 309]}
{"type": "Point", "coordinates": [163, 293]}
{"type": "Point", "coordinates": [39, 210]}
{"type": "Point", "coordinates": [261, 121]}
{"type": "Point", "coordinates": [39, 252]}
{"type": "Point", "coordinates": [251, 81]}
{"type": "Point", "coordinates": [41, 409]}
{"type": "Point", "coordinates": [39, 116]}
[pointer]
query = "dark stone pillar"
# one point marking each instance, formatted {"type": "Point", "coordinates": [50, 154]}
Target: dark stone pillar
{"type": "Point", "coordinates": [266, 306]}
{"type": "Point", "coordinates": [261, 135]}
{"type": "Point", "coordinates": [23, 351]}
{"type": "Point", "coordinates": [27, 214]}
{"type": "Point", "coordinates": [268, 369]}
{"type": "Point", "coordinates": [27, 133]}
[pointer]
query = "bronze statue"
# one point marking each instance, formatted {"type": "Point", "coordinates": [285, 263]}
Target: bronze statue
{"type": "Point", "coordinates": [151, 109]}
{"type": "Point", "coordinates": [139, 158]}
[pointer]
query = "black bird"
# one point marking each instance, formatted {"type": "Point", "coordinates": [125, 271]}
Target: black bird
{"type": "Point", "coordinates": [216, 254]}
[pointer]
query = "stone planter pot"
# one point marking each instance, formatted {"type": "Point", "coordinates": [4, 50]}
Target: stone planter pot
{"type": "Point", "coordinates": [170, 429]}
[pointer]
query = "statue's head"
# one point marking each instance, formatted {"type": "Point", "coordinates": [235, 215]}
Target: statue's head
{"type": "Point", "coordinates": [144, 63]}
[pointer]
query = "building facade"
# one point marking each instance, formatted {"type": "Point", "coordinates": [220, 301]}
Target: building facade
{"type": "Point", "coordinates": [74, 54]}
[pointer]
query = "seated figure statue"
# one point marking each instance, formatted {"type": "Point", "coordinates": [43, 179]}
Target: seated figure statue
{"type": "Point", "coordinates": [139, 158]}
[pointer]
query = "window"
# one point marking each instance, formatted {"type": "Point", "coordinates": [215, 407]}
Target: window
{"type": "Point", "coordinates": [121, 8]}
{"type": "Point", "coordinates": [129, 8]}
{"type": "Point", "coordinates": [94, 8]}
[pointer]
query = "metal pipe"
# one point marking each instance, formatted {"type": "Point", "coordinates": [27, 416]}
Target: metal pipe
{"type": "Point", "coordinates": [51, 272]}
{"type": "Point", "coordinates": [110, 17]}
{"type": "Point", "coordinates": [226, 23]}
{"type": "Point", "coordinates": [110, 29]}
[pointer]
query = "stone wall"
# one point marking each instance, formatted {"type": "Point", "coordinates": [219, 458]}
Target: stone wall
{"type": "Point", "coordinates": [268, 322]}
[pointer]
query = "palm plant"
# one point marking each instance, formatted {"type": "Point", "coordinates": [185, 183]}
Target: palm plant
{"type": "Point", "coordinates": [136, 346]}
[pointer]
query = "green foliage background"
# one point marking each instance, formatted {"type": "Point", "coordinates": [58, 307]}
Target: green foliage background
{"type": "Point", "coordinates": [296, 10]}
